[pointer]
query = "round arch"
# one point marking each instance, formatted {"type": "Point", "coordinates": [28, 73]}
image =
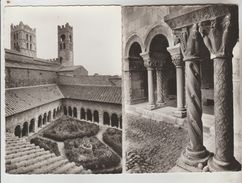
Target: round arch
{"type": "Point", "coordinates": [114, 120]}
{"type": "Point", "coordinates": [83, 114]}
{"type": "Point", "coordinates": [17, 131]}
{"type": "Point", "coordinates": [54, 113]}
{"type": "Point", "coordinates": [156, 30]}
{"type": "Point", "coordinates": [96, 116]}
{"type": "Point", "coordinates": [75, 112]}
{"type": "Point", "coordinates": [39, 121]}
{"type": "Point", "coordinates": [49, 116]}
{"type": "Point", "coordinates": [32, 125]}
{"type": "Point", "coordinates": [44, 119]}
{"type": "Point", "coordinates": [69, 111]}
{"type": "Point", "coordinates": [65, 110]}
{"type": "Point", "coordinates": [133, 38]}
{"type": "Point", "coordinates": [89, 115]}
{"type": "Point", "coordinates": [106, 118]}
{"type": "Point", "coordinates": [25, 130]}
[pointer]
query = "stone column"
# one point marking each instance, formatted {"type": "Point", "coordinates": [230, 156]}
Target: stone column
{"type": "Point", "coordinates": [176, 56]}
{"type": "Point", "coordinates": [195, 154]}
{"type": "Point", "coordinates": [150, 68]}
{"type": "Point", "coordinates": [100, 117]}
{"type": "Point", "coordinates": [127, 89]}
{"type": "Point", "coordinates": [220, 36]}
{"type": "Point", "coordinates": [160, 90]}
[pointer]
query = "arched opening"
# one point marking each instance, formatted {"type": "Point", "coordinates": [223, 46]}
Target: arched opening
{"type": "Point", "coordinates": [96, 116]}
{"type": "Point", "coordinates": [157, 50]}
{"type": "Point", "coordinates": [106, 118]}
{"type": "Point", "coordinates": [44, 118]}
{"type": "Point", "coordinates": [75, 112]}
{"type": "Point", "coordinates": [114, 120]}
{"type": "Point", "coordinates": [32, 126]}
{"type": "Point", "coordinates": [65, 110]}
{"type": "Point", "coordinates": [25, 130]}
{"type": "Point", "coordinates": [83, 115]}
{"type": "Point", "coordinates": [62, 37]}
{"type": "Point", "coordinates": [138, 73]}
{"type": "Point", "coordinates": [17, 131]}
{"type": "Point", "coordinates": [89, 115]}
{"type": "Point", "coordinates": [70, 111]}
{"type": "Point", "coordinates": [49, 116]}
{"type": "Point", "coordinates": [40, 121]}
{"type": "Point", "coordinates": [54, 113]}
{"type": "Point", "coordinates": [120, 122]}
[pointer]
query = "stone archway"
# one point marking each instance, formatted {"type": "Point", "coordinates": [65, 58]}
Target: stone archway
{"type": "Point", "coordinates": [25, 130]}
{"type": "Point", "coordinates": [89, 115]}
{"type": "Point", "coordinates": [70, 111]}
{"type": "Point", "coordinates": [54, 113]}
{"type": "Point", "coordinates": [32, 126]}
{"type": "Point", "coordinates": [114, 120]}
{"type": "Point", "coordinates": [96, 116]}
{"type": "Point", "coordinates": [44, 119]}
{"type": "Point", "coordinates": [75, 112]}
{"type": "Point", "coordinates": [39, 121]}
{"type": "Point", "coordinates": [106, 118]}
{"type": "Point", "coordinates": [65, 110]}
{"type": "Point", "coordinates": [17, 131]}
{"type": "Point", "coordinates": [83, 114]}
{"type": "Point", "coordinates": [138, 75]}
{"type": "Point", "coordinates": [49, 116]}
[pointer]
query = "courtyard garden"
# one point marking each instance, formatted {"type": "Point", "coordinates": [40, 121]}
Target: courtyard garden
{"type": "Point", "coordinates": [83, 143]}
{"type": "Point", "coordinates": [147, 143]}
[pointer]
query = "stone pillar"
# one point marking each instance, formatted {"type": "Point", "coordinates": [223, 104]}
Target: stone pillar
{"type": "Point", "coordinates": [149, 64]}
{"type": "Point", "coordinates": [220, 36]}
{"type": "Point", "coordinates": [176, 56]}
{"type": "Point", "coordinates": [195, 154]}
{"type": "Point", "coordinates": [100, 117]}
{"type": "Point", "coordinates": [160, 90]}
{"type": "Point", "coordinates": [127, 89]}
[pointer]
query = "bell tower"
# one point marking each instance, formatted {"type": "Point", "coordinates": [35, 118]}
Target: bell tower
{"type": "Point", "coordinates": [65, 45]}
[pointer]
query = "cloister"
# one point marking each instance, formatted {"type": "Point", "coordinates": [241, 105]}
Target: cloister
{"type": "Point", "coordinates": [175, 59]}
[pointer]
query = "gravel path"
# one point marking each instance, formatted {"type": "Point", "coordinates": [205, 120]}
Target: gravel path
{"type": "Point", "coordinates": [152, 146]}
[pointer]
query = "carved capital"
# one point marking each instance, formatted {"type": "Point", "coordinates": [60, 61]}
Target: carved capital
{"type": "Point", "coordinates": [176, 55]}
{"type": "Point", "coordinates": [219, 35]}
{"type": "Point", "coordinates": [155, 59]}
{"type": "Point", "coordinates": [191, 41]}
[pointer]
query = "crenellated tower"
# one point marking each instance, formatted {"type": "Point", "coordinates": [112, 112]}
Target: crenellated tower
{"type": "Point", "coordinates": [65, 44]}
{"type": "Point", "coordinates": [23, 39]}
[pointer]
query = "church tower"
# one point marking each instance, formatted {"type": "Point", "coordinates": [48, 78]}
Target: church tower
{"type": "Point", "coordinates": [65, 45]}
{"type": "Point", "coordinates": [23, 39]}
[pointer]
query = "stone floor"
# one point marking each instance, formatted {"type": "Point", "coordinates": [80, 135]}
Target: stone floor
{"type": "Point", "coordinates": [152, 146]}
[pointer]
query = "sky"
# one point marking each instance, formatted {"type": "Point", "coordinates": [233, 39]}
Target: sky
{"type": "Point", "coordinates": [96, 33]}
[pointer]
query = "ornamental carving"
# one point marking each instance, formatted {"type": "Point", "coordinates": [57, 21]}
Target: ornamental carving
{"type": "Point", "coordinates": [176, 55]}
{"type": "Point", "coordinates": [219, 36]}
{"type": "Point", "coordinates": [155, 59]}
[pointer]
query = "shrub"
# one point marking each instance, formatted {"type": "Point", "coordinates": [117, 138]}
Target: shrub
{"type": "Point", "coordinates": [68, 128]}
{"type": "Point", "coordinates": [46, 144]}
{"type": "Point", "coordinates": [113, 137]}
{"type": "Point", "coordinates": [90, 153]}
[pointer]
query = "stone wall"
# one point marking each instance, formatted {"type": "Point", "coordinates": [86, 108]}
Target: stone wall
{"type": "Point", "coordinates": [26, 116]}
{"type": "Point", "coordinates": [18, 77]}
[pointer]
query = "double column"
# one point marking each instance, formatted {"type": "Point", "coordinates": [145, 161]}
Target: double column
{"type": "Point", "coordinates": [220, 36]}
{"type": "Point", "coordinates": [154, 62]}
{"type": "Point", "coordinates": [176, 57]}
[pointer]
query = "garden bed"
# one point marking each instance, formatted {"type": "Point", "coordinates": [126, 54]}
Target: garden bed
{"type": "Point", "coordinates": [113, 137]}
{"type": "Point", "coordinates": [90, 153]}
{"type": "Point", "coordinates": [68, 128]}
{"type": "Point", "coordinates": [47, 144]}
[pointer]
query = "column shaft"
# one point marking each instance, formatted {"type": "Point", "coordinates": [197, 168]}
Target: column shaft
{"type": "Point", "coordinates": [150, 88]}
{"type": "Point", "coordinates": [180, 89]}
{"type": "Point", "coordinates": [160, 85]}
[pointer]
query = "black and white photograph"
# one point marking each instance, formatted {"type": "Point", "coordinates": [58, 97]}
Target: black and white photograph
{"type": "Point", "coordinates": [118, 91]}
{"type": "Point", "coordinates": [63, 90]}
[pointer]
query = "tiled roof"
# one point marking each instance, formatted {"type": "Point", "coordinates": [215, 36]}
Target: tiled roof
{"type": "Point", "coordinates": [106, 94]}
{"type": "Point", "coordinates": [25, 98]}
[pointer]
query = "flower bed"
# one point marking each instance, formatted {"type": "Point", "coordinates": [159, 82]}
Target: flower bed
{"type": "Point", "coordinates": [90, 153]}
{"type": "Point", "coordinates": [68, 128]}
{"type": "Point", "coordinates": [113, 137]}
{"type": "Point", "coordinates": [46, 144]}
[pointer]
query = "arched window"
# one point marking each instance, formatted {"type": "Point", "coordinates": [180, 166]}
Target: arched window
{"type": "Point", "coordinates": [39, 121]}
{"type": "Point", "coordinates": [27, 45]}
{"type": "Point", "coordinates": [32, 126]}
{"type": "Point", "coordinates": [75, 112]}
{"type": "Point", "coordinates": [89, 115]}
{"type": "Point", "coordinates": [30, 46]}
{"type": "Point", "coordinates": [106, 118]}
{"type": "Point", "coordinates": [70, 111]}
{"type": "Point", "coordinates": [62, 37]}
{"type": "Point", "coordinates": [65, 110]}
{"type": "Point", "coordinates": [96, 116]}
{"type": "Point", "coordinates": [114, 120]}
{"type": "Point", "coordinates": [25, 130]}
{"type": "Point", "coordinates": [17, 131]}
{"type": "Point", "coordinates": [83, 115]}
{"type": "Point", "coordinates": [54, 114]}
